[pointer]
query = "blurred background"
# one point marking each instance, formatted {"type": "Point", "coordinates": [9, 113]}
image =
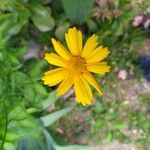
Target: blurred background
{"type": "Point", "coordinates": [33, 118]}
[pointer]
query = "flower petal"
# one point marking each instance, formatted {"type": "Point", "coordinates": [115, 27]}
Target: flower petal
{"type": "Point", "coordinates": [74, 40]}
{"type": "Point", "coordinates": [61, 50]}
{"type": "Point", "coordinates": [55, 60]}
{"type": "Point", "coordinates": [99, 67]}
{"type": "Point", "coordinates": [89, 46]}
{"type": "Point", "coordinates": [54, 76]}
{"type": "Point", "coordinates": [65, 85]}
{"type": "Point", "coordinates": [80, 41]}
{"type": "Point", "coordinates": [98, 55]}
{"type": "Point", "coordinates": [91, 80]}
{"type": "Point", "coordinates": [82, 91]}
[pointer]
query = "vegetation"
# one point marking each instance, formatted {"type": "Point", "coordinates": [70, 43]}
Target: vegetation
{"type": "Point", "coordinates": [30, 112]}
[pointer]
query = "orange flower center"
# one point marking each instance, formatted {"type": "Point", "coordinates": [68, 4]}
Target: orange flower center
{"type": "Point", "coordinates": [76, 65]}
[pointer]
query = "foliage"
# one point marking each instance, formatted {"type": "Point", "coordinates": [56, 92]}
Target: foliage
{"type": "Point", "coordinates": [17, 14]}
{"type": "Point", "coordinates": [29, 110]}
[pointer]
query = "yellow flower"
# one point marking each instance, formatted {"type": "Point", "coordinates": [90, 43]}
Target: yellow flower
{"type": "Point", "coordinates": [75, 65]}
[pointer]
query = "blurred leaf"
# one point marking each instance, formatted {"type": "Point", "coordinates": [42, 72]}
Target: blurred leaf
{"type": "Point", "coordinates": [99, 123]}
{"type": "Point", "coordinates": [9, 25]}
{"type": "Point", "coordinates": [40, 89]}
{"type": "Point", "coordinates": [17, 113]}
{"type": "Point", "coordinates": [12, 59]}
{"type": "Point", "coordinates": [51, 118]}
{"type": "Point", "coordinates": [9, 146]}
{"type": "Point", "coordinates": [29, 92]}
{"type": "Point", "coordinates": [49, 140]}
{"type": "Point", "coordinates": [41, 17]}
{"type": "Point", "coordinates": [46, 1]}
{"type": "Point", "coordinates": [78, 10]}
{"type": "Point", "coordinates": [75, 147]}
{"type": "Point", "coordinates": [31, 143]}
{"type": "Point", "coordinates": [99, 108]}
{"type": "Point", "coordinates": [21, 78]}
{"type": "Point", "coordinates": [61, 30]}
{"type": "Point", "coordinates": [119, 126]}
{"type": "Point", "coordinates": [19, 51]}
{"type": "Point", "coordinates": [108, 137]}
{"type": "Point", "coordinates": [92, 26]}
{"type": "Point", "coordinates": [110, 116]}
{"type": "Point", "coordinates": [50, 100]}
{"type": "Point", "coordinates": [36, 70]}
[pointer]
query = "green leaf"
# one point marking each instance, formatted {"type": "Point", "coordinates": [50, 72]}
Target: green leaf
{"type": "Point", "coordinates": [40, 89]}
{"type": "Point", "coordinates": [51, 118]}
{"type": "Point", "coordinates": [119, 126]}
{"type": "Point", "coordinates": [75, 147]}
{"type": "Point", "coordinates": [99, 108]}
{"type": "Point", "coordinates": [9, 25]}
{"type": "Point", "coordinates": [100, 123]}
{"type": "Point", "coordinates": [41, 17]}
{"type": "Point", "coordinates": [12, 59]}
{"type": "Point", "coordinates": [78, 10]}
{"type": "Point", "coordinates": [31, 143]}
{"type": "Point", "coordinates": [50, 100]}
{"type": "Point", "coordinates": [29, 92]}
{"type": "Point", "coordinates": [61, 30]}
{"type": "Point", "coordinates": [21, 78]}
{"type": "Point", "coordinates": [49, 140]}
{"type": "Point", "coordinates": [36, 70]}
{"type": "Point", "coordinates": [92, 26]}
{"type": "Point", "coordinates": [9, 146]}
{"type": "Point", "coordinates": [108, 137]}
{"type": "Point", "coordinates": [20, 51]}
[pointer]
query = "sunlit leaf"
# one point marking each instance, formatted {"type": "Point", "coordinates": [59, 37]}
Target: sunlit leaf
{"type": "Point", "coordinates": [41, 17]}
{"type": "Point", "coordinates": [51, 118]}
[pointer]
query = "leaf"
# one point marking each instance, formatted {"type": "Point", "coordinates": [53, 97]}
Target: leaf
{"type": "Point", "coordinates": [78, 10]}
{"type": "Point", "coordinates": [31, 143]}
{"type": "Point", "coordinates": [49, 140]}
{"type": "Point", "coordinates": [9, 146]}
{"type": "Point", "coordinates": [21, 78]}
{"type": "Point", "coordinates": [51, 118]}
{"type": "Point", "coordinates": [99, 108]}
{"type": "Point", "coordinates": [36, 70]}
{"type": "Point", "coordinates": [50, 100]}
{"type": "Point", "coordinates": [100, 123]}
{"type": "Point", "coordinates": [75, 147]}
{"type": "Point", "coordinates": [12, 59]}
{"type": "Point", "coordinates": [119, 126]}
{"type": "Point", "coordinates": [108, 137]}
{"type": "Point", "coordinates": [41, 17]}
{"type": "Point", "coordinates": [29, 93]}
{"type": "Point", "coordinates": [9, 25]}
{"type": "Point", "coordinates": [40, 89]}
{"type": "Point", "coordinates": [45, 1]}
{"type": "Point", "coordinates": [61, 30]}
{"type": "Point", "coordinates": [92, 26]}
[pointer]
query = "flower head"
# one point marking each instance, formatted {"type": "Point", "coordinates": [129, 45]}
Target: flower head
{"type": "Point", "coordinates": [75, 64]}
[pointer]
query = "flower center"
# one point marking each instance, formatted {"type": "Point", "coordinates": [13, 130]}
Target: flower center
{"type": "Point", "coordinates": [76, 65]}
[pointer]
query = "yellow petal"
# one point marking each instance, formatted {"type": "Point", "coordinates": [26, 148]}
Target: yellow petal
{"type": "Point", "coordinates": [55, 60]}
{"type": "Point", "coordinates": [91, 80]}
{"type": "Point", "coordinates": [80, 41]}
{"type": "Point", "coordinates": [100, 67]}
{"type": "Point", "coordinates": [98, 55]}
{"type": "Point", "coordinates": [61, 50]}
{"type": "Point", "coordinates": [82, 91]}
{"type": "Point", "coordinates": [54, 76]}
{"type": "Point", "coordinates": [74, 40]}
{"type": "Point", "coordinates": [90, 45]}
{"type": "Point", "coordinates": [65, 85]}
